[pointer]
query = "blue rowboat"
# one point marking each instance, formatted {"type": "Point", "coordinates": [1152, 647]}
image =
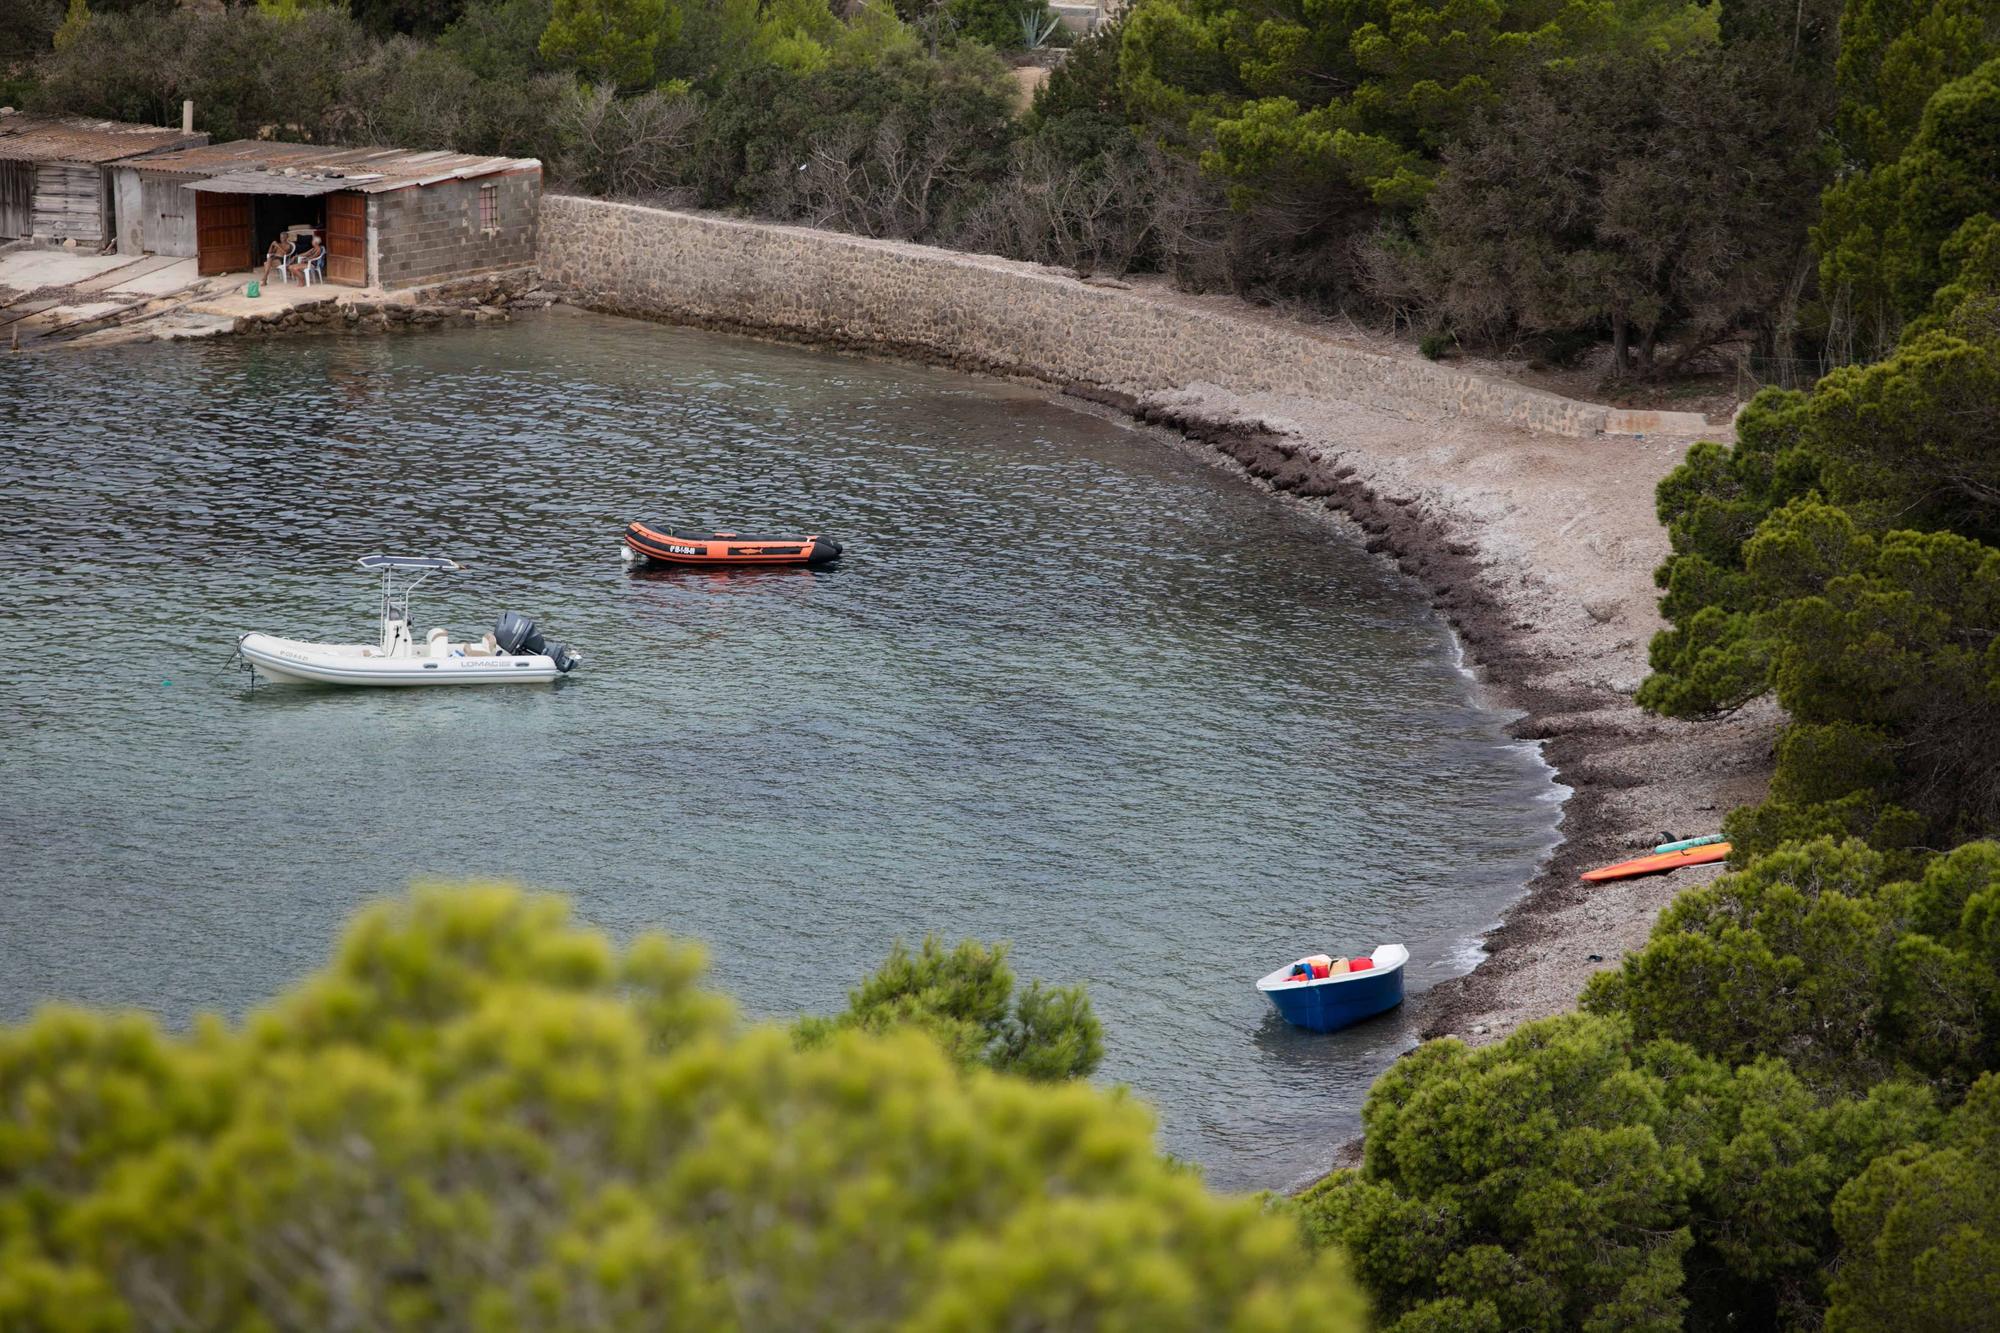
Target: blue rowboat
{"type": "Point", "coordinates": [1332, 1003]}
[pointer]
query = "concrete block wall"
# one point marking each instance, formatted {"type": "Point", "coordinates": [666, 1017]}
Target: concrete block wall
{"type": "Point", "coordinates": [427, 232]}
{"type": "Point", "coordinates": [984, 313]}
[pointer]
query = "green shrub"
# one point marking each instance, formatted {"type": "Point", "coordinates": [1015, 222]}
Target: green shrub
{"type": "Point", "coordinates": [478, 1116]}
{"type": "Point", "coordinates": [1921, 1230]}
{"type": "Point", "coordinates": [1816, 954]}
{"type": "Point", "coordinates": [1575, 1177]}
{"type": "Point", "coordinates": [964, 998]}
{"type": "Point", "coordinates": [1795, 570]}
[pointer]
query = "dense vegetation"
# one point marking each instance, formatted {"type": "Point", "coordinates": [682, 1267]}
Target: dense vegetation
{"type": "Point", "coordinates": [480, 1117]}
{"type": "Point", "coordinates": [1779, 1113]}
{"type": "Point", "coordinates": [1784, 1111]}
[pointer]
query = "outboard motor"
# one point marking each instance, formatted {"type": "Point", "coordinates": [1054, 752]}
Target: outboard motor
{"type": "Point", "coordinates": [517, 635]}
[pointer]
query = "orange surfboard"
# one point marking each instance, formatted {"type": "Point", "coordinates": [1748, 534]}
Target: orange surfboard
{"type": "Point", "coordinates": [1662, 861]}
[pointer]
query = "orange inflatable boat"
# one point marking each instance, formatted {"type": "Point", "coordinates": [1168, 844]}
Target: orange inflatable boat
{"type": "Point", "coordinates": [673, 546]}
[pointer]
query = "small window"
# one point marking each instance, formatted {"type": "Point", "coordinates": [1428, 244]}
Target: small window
{"type": "Point", "coordinates": [489, 208]}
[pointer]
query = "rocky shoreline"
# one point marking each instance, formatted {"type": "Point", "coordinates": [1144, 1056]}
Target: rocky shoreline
{"type": "Point", "coordinates": [1537, 546]}
{"type": "Point", "coordinates": [1633, 779]}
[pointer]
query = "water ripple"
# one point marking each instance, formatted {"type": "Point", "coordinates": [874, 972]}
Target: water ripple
{"type": "Point", "coordinates": [1067, 688]}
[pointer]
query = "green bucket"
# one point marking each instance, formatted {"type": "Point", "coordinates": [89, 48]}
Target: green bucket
{"type": "Point", "coordinates": [253, 289]}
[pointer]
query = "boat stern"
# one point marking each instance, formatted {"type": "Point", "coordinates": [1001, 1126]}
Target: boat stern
{"type": "Point", "coordinates": [1332, 1003]}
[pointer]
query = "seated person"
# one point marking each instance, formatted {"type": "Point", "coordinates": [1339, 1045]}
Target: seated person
{"type": "Point", "coordinates": [279, 254]}
{"type": "Point", "coordinates": [307, 257]}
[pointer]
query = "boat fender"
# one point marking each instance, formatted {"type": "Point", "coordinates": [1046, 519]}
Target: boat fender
{"type": "Point", "coordinates": [1360, 964]}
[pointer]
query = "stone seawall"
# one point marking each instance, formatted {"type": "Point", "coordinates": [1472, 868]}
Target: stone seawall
{"type": "Point", "coordinates": [979, 312]}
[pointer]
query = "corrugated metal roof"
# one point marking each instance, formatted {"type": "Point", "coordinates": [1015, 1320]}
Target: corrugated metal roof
{"type": "Point", "coordinates": [276, 182]}
{"type": "Point", "coordinates": [370, 170]}
{"type": "Point", "coordinates": [32, 138]}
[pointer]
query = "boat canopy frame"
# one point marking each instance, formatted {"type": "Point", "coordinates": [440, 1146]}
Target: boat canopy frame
{"type": "Point", "coordinates": [395, 609]}
{"type": "Point", "coordinates": [432, 562]}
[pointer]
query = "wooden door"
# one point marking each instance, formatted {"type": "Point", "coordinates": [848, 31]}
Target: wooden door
{"type": "Point", "coordinates": [222, 233]}
{"type": "Point", "coordinates": [69, 204]}
{"type": "Point", "coordinates": [168, 206]}
{"type": "Point", "coordinates": [347, 239]}
{"type": "Point", "coordinates": [17, 198]}
{"type": "Point", "coordinates": [128, 212]}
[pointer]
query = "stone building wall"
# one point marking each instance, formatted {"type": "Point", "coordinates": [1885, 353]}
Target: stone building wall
{"type": "Point", "coordinates": [984, 313]}
{"type": "Point", "coordinates": [433, 231]}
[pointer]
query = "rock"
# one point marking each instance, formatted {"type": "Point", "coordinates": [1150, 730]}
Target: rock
{"type": "Point", "coordinates": [1603, 610]}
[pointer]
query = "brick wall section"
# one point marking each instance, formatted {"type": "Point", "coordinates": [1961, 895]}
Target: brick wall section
{"type": "Point", "coordinates": [428, 232]}
{"type": "Point", "coordinates": [984, 313]}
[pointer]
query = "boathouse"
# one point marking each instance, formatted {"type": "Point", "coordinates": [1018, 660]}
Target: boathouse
{"type": "Point", "coordinates": [389, 217]}
{"type": "Point", "coordinates": [55, 173]}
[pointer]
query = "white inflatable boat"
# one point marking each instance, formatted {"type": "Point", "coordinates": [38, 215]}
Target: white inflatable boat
{"type": "Point", "coordinates": [515, 653]}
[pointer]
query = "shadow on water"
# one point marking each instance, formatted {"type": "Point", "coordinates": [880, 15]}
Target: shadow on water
{"type": "Point", "coordinates": [1177, 734]}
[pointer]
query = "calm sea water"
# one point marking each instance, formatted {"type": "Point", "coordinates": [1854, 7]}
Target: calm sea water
{"type": "Point", "coordinates": [1068, 688]}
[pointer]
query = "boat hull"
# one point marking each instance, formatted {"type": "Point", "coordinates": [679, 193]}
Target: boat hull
{"type": "Point", "coordinates": [672, 547]}
{"type": "Point", "coordinates": [1659, 863]}
{"type": "Point", "coordinates": [1333, 1003]}
{"type": "Point", "coordinates": [291, 662]}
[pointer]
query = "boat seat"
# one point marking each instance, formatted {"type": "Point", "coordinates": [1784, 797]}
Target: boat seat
{"type": "Point", "coordinates": [438, 642]}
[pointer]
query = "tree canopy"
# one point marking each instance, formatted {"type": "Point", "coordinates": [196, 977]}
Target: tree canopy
{"type": "Point", "coordinates": [1587, 197]}
{"type": "Point", "coordinates": [1883, 232]}
{"type": "Point", "coordinates": [1840, 556]}
{"type": "Point", "coordinates": [1921, 1229]}
{"type": "Point", "coordinates": [1769, 1116]}
{"type": "Point", "coordinates": [611, 41]}
{"type": "Point", "coordinates": [479, 1116]}
{"type": "Point", "coordinates": [1816, 954]}
{"type": "Point", "coordinates": [964, 998]}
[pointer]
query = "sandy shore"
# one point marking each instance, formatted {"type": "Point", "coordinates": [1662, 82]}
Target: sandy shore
{"type": "Point", "coordinates": [1539, 550]}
